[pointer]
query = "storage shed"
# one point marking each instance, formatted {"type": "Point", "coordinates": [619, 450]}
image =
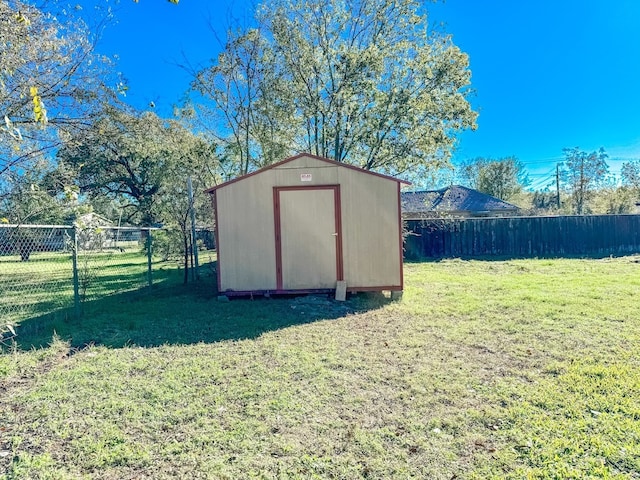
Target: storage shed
{"type": "Point", "coordinates": [303, 224]}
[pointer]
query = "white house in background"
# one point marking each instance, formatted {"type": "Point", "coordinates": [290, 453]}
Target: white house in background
{"type": "Point", "coordinates": [92, 220]}
{"type": "Point", "coordinates": [96, 232]}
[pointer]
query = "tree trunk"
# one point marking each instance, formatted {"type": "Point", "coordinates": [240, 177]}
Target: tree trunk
{"type": "Point", "coordinates": [186, 257]}
{"type": "Point", "coordinates": [24, 247]}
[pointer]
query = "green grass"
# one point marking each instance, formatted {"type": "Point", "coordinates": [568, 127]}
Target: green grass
{"type": "Point", "coordinates": [44, 284]}
{"type": "Point", "coordinates": [505, 369]}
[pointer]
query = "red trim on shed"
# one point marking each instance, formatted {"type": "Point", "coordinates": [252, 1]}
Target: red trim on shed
{"type": "Point", "coordinates": [338, 219]}
{"type": "Point", "coordinates": [401, 242]}
{"type": "Point", "coordinates": [337, 211]}
{"type": "Point", "coordinates": [246, 293]}
{"type": "Point", "coordinates": [214, 200]}
{"type": "Point", "coordinates": [315, 157]}
{"type": "Point", "coordinates": [278, 234]}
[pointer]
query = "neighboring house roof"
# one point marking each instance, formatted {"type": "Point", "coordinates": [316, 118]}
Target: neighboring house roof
{"type": "Point", "coordinates": [455, 199]}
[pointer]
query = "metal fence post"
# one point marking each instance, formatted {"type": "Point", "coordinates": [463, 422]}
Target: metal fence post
{"type": "Point", "coordinates": [194, 242]}
{"type": "Point", "coordinates": [76, 282]}
{"type": "Point", "coordinates": [149, 248]}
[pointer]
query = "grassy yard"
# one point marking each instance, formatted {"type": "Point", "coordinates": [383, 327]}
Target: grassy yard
{"type": "Point", "coordinates": [486, 369]}
{"type": "Point", "coordinates": [44, 284]}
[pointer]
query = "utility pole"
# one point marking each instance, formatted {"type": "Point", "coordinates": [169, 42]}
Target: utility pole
{"type": "Point", "coordinates": [582, 185]}
{"type": "Point", "coordinates": [558, 185]}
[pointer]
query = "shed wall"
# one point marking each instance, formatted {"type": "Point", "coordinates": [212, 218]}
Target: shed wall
{"type": "Point", "coordinates": [370, 227]}
{"type": "Point", "coordinates": [246, 236]}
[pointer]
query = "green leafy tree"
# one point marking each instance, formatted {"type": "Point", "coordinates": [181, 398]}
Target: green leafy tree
{"type": "Point", "coordinates": [502, 178]}
{"type": "Point", "coordinates": [582, 174]}
{"type": "Point", "coordinates": [38, 196]}
{"type": "Point", "coordinates": [126, 156]}
{"type": "Point", "coordinates": [196, 161]}
{"type": "Point", "coordinates": [142, 162]}
{"type": "Point", "coordinates": [50, 81]}
{"type": "Point", "coordinates": [34, 197]}
{"type": "Point", "coordinates": [630, 175]}
{"type": "Point", "coordinates": [360, 81]}
{"type": "Point", "coordinates": [612, 200]}
{"type": "Point", "coordinates": [544, 202]}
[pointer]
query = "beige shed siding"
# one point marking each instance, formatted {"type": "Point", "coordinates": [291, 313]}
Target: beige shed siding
{"type": "Point", "coordinates": [246, 234]}
{"type": "Point", "coordinates": [304, 162]}
{"type": "Point", "coordinates": [370, 225]}
{"type": "Point", "coordinates": [370, 230]}
{"type": "Point", "coordinates": [321, 174]}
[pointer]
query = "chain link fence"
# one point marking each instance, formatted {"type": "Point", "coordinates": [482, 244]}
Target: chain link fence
{"type": "Point", "coordinates": [36, 270]}
{"type": "Point", "coordinates": [53, 268]}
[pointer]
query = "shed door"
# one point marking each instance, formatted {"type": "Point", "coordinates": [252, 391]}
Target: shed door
{"type": "Point", "coordinates": [308, 237]}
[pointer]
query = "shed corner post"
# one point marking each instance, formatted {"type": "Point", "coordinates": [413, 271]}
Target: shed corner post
{"type": "Point", "coordinates": [400, 236]}
{"type": "Point", "coordinates": [216, 223]}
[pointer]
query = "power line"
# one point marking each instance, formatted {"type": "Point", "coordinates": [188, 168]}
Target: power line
{"type": "Point", "coordinates": [545, 182]}
{"type": "Point", "coordinates": [561, 159]}
{"type": "Point", "coordinates": [542, 162]}
{"type": "Point", "coordinates": [550, 172]}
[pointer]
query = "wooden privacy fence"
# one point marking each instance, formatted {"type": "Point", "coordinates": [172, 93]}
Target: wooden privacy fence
{"type": "Point", "coordinates": [523, 236]}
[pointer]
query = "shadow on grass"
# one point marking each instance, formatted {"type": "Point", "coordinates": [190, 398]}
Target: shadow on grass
{"type": "Point", "coordinates": [173, 313]}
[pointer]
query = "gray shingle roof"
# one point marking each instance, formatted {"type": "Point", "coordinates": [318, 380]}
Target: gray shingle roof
{"type": "Point", "coordinates": [455, 198]}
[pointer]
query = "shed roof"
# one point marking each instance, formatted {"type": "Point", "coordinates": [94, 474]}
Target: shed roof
{"type": "Point", "coordinates": [300, 155]}
{"type": "Point", "coordinates": [455, 198]}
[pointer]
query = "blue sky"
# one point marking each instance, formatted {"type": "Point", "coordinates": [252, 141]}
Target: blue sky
{"type": "Point", "coordinates": [546, 74]}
